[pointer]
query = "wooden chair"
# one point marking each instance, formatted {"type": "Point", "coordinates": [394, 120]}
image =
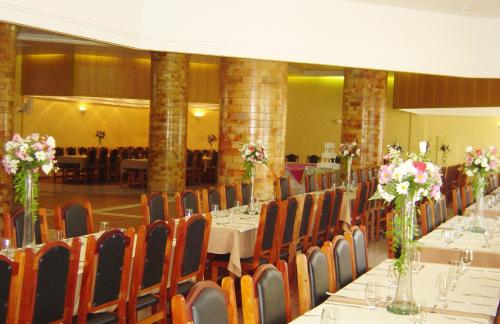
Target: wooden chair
{"type": "Point", "coordinates": [11, 277]}
{"type": "Point", "coordinates": [209, 198]}
{"type": "Point", "coordinates": [344, 270]}
{"type": "Point", "coordinates": [13, 227]}
{"type": "Point", "coordinates": [74, 219]}
{"type": "Point", "coordinates": [206, 303]}
{"type": "Point", "coordinates": [326, 181]}
{"type": "Point", "coordinates": [391, 252]}
{"type": "Point", "coordinates": [312, 158]}
{"type": "Point", "coordinates": [314, 277]}
{"type": "Point", "coordinates": [456, 199]}
{"type": "Point", "coordinates": [266, 296]}
{"type": "Point", "coordinates": [190, 253]}
{"type": "Point", "coordinates": [243, 193]}
{"type": "Point", "coordinates": [151, 271]}
{"type": "Point", "coordinates": [228, 196]}
{"type": "Point", "coordinates": [441, 204]}
{"type": "Point", "coordinates": [291, 158]}
{"type": "Point", "coordinates": [357, 238]}
{"type": "Point", "coordinates": [358, 212]}
{"type": "Point", "coordinates": [467, 196]}
{"type": "Point", "coordinates": [187, 200]}
{"type": "Point", "coordinates": [49, 283]}
{"type": "Point", "coordinates": [266, 243]}
{"type": "Point", "coordinates": [282, 188]}
{"type": "Point", "coordinates": [335, 226]}
{"type": "Point", "coordinates": [427, 222]}
{"type": "Point", "coordinates": [306, 224]}
{"type": "Point", "coordinates": [323, 218]}
{"type": "Point", "coordinates": [310, 183]}
{"type": "Point", "coordinates": [154, 207]}
{"type": "Point", "coordinates": [106, 276]}
{"type": "Point", "coordinates": [113, 166]}
{"type": "Point", "coordinates": [289, 230]}
{"type": "Point", "coordinates": [91, 167]}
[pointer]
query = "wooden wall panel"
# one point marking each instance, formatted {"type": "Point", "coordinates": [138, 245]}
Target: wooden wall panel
{"type": "Point", "coordinates": [47, 74]}
{"type": "Point", "coordinates": [431, 91]}
{"type": "Point", "coordinates": [204, 82]}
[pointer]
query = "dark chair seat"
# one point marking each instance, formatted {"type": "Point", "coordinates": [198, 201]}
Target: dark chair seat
{"type": "Point", "coordinates": [100, 318]}
{"type": "Point", "coordinates": [284, 255]}
{"type": "Point", "coordinates": [146, 301]}
{"type": "Point", "coordinates": [225, 258]}
{"type": "Point", "coordinates": [183, 288]}
{"type": "Point", "coordinates": [300, 246]}
{"type": "Point", "coordinates": [250, 260]}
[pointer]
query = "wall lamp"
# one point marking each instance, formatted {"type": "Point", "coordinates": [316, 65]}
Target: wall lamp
{"type": "Point", "coordinates": [198, 114]}
{"type": "Point", "coordinates": [82, 109]}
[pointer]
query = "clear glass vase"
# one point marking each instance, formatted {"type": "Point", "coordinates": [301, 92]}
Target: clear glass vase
{"type": "Point", "coordinates": [403, 302]}
{"type": "Point", "coordinates": [349, 173]}
{"type": "Point", "coordinates": [478, 217]}
{"type": "Point", "coordinates": [29, 213]}
{"type": "Point", "coordinates": [251, 206]}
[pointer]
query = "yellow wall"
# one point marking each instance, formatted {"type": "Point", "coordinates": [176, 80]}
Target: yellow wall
{"type": "Point", "coordinates": [200, 128]}
{"type": "Point", "coordinates": [314, 103]}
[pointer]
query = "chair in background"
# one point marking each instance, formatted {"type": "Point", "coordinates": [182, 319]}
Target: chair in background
{"type": "Point", "coordinates": [150, 271]}
{"type": "Point", "coordinates": [291, 158]}
{"type": "Point", "coordinates": [312, 158]}
{"type": "Point", "coordinates": [90, 169]}
{"type": "Point", "coordinates": [335, 226]}
{"type": "Point", "coordinates": [193, 167]}
{"type": "Point", "coordinates": [358, 212]}
{"type": "Point", "coordinates": [323, 218]}
{"type": "Point", "coordinates": [206, 303]}
{"type": "Point", "coordinates": [310, 183]}
{"type": "Point", "coordinates": [244, 192]}
{"type": "Point", "coordinates": [10, 289]}
{"type": "Point", "coordinates": [106, 276]}
{"type": "Point", "coordinates": [283, 188]}
{"type": "Point", "coordinates": [13, 227]}
{"type": "Point", "coordinates": [74, 219]}
{"type": "Point", "coordinates": [314, 278]}
{"type": "Point", "coordinates": [289, 230]}
{"type": "Point", "coordinates": [305, 231]}
{"type": "Point", "coordinates": [49, 283]}
{"type": "Point", "coordinates": [210, 197]}
{"type": "Point", "coordinates": [266, 296]}
{"type": "Point", "coordinates": [187, 200]}
{"type": "Point", "coordinates": [391, 252]}
{"type": "Point", "coordinates": [443, 209]}
{"type": "Point", "coordinates": [356, 236]}
{"type": "Point", "coordinates": [343, 268]}
{"type": "Point", "coordinates": [427, 223]}
{"type": "Point", "coordinates": [456, 199]}
{"type": "Point", "coordinates": [326, 180]}
{"type": "Point", "coordinates": [82, 150]}
{"type": "Point", "coordinates": [113, 166]}
{"type": "Point", "coordinates": [103, 164]}
{"type": "Point", "coordinates": [154, 207]}
{"type": "Point", "coordinates": [335, 178]}
{"type": "Point", "coordinates": [190, 253]}
{"type": "Point", "coordinates": [228, 195]}
{"type": "Point", "coordinates": [71, 151]}
{"type": "Point", "coordinates": [266, 243]}
{"type": "Point", "coordinates": [467, 196]}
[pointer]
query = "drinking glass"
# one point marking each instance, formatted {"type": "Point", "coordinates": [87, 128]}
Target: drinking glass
{"type": "Point", "coordinates": [443, 287]}
{"type": "Point", "coordinates": [6, 247]}
{"type": "Point", "coordinates": [491, 202]}
{"type": "Point", "coordinates": [237, 206]}
{"type": "Point", "coordinates": [329, 315]}
{"type": "Point", "coordinates": [420, 313]}
{"type": "Point", "coordinates": [447, 236]}
{"type": "Point", "coordinates": [466, 258]}
{"type": "Point", "coordinates": [189, 212]}
{"type": "Point", "coordinates": [372, 295]}
{"type": "Point", "coordinates": [103, 226]}
{"type": "Point", "coordinates": [393, 280]}
{"type": "Point", "coordinates": [416, 264]}
{"type": "Point", "coordinates": [55, 235]}
{"type": "Point", "coordinates": [454, 273]}
{"type": "Point", "coordinates": [488, 236]}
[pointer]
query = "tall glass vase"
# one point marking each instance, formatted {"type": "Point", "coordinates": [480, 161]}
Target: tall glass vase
{"type": "Point", "coordinates": [349, 173]}
{"type": "Point", "coordinates": [29, 212]}
{"type": "Point", "coordinates": [251, 206]}
{"type": "Point", "coordinates": [403, 302]}
{"type": "Point", "coordinates": [478, 217]}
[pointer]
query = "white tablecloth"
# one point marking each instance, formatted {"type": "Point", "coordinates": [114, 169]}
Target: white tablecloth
{"type": "Point", "coordinates": [135, 164]}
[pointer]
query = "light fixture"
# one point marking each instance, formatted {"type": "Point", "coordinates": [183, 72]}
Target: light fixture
{"type": "Point", "coordinates": [198, 114]}
{"type": "Point", "coordinates": [82, 108]}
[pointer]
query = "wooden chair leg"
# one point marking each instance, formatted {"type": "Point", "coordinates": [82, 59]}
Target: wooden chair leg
{"type": "Point", "coordinates": [214, 273]}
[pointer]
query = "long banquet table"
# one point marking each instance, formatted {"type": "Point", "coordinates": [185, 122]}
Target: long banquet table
{"type": "Point", "coordinates": [488, 211]}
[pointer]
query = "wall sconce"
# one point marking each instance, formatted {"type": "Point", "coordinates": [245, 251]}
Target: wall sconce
{"type": "Point", "coordinates": [83, 109]}
{"type": "Point", "coordinates": [198, 114]}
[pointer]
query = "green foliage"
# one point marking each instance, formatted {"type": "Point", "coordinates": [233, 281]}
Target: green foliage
{"type": "Point", "coordinates": [248, 170]}
{"type": "Point", "coordinates": [20, 189]}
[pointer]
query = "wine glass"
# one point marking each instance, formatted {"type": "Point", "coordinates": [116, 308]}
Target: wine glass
{"type": "Point", "coordinates": [214, 209]}
{"type": "Point", "coordinates": [372, 295]}
{"type": "Point", "coordinates": [103, 226]}
{"type": "Point", "coordinates": [454, 273]}
{"type": "Point", "coordinates": [416, 264]}
{"type": "Point", "coordinates": [6, 247]}
{"type": "Point", "coordinates": [420, 314]}
{"type": "Point", "coordinates": [447, 236]}
{"type": "Point", "coordinates": [188, 212]}
{"type": "Point", "coordinates": [443, 287]}
{"type": "Point", "coordinates": [488, 236]}
{"type": "Point", "coordinates": [466, 258]}
{"type": "Point", "coordinates": [329, 315]}
{"type": "Point", "coordinates": [393, 280]}
{"type": "Point", "coordinates": [237, 206]}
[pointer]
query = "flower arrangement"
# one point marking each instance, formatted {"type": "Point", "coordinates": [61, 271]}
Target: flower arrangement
{"type": "Point", "coordinates": [349, 149]}
{"type": "Point", "coordinates": [445, 149]}
{"type": "Point", "coordinates": [479, 164]}
{"type": "Point", "coordinates": [100, 134]}
{"type": "Point", "coordinates": [25, 156]}
{"type": "Point", "coordinates": [252, 153]}
{"type": "Point", "coordinates": [396, 146]}
{"type": "Point", "coordinates": [212, 139]}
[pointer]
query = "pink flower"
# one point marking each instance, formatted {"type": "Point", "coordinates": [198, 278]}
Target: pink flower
{"type": "Point", "coordinates": [22, 156]}
{"type": "Point", "coordinates": [385, 174]}
{"type": "Point", "coordinates": [17, 138]}
{"type": "Point", "coordinates": [493, 164]}
{"type": "Point", "coordinates": [469, 159]}
{"type": "Point", "coordinates": [479, 152]}
{"type": "Point", "coordinates": [421, 177]}
{"type": "Point", "coordinates": [420, 166]}
{"type": "Point", "coordinates": [435, 193]}
{"type": "Point", "coordinates": [37, 146]}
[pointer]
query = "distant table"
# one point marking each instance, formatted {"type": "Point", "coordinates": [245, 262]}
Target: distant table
{"type": "Point", "coordinates": [295, 171]}
{"type": "Point", "coordinates": [72, 160]}
{"type": "Point", "coordinates": [132, 165]}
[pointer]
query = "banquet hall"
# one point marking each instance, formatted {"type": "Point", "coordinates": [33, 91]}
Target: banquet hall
{"type": "Point", "coordinates": [258, 163]}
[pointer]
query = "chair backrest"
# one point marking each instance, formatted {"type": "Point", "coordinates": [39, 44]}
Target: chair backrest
{"type": "Point", "coordinates": [438, 218]}
{"type": "Point", "coordinates": [359, 245]}
{"type": "Point", "coordinates": [267, 242]}
{"type": "Point", "coordinates": [306, 219]}
{"type": "Point", "coordinates": [206, 303]}
{"type": "Point", "coordinates": [106, 273]}
{"type": "Point", "coordinates": [10, 288]}
{"type": "Point", "coordinates": [230, 196]}
{"type": "Point", "coordinates": [360, 202]}
{"type": "Point", "coordinates": [326, 181]}
{"type": "Point", "coordinates": [343, 263]}
{"type": "Point", "coordinates": [50, 282]}
{"type": "Point", "coordinates": [290, 219]}
{"type": "Point", "coordinates": [91, 157]}
{"type": "Point", "coordinates": [13, 226]}
{"type": "Point", "coordinates": [210, 197]}
{"type": "Point", "coordinates": [335, 225]}
{"type": "Point", "coordinates": [291, 158]}
{"type": "Point", "coordinates": [270, 290]}
{"type": "Point", "coordinates": [151, 265]}
{"type": "Point", "coordinates": [187, 200]}
{"type": "Point", "coordinates": [310, 183]}
{"type": "Point", "coordinates": [444, 209]}
{"type": "Point", "coordinates": [246, 189]}
{"type": "Point", "coordinates": [74, 219]}
{"type": "Point", "coordinates": [312, 158]}
{"type": "Point", "coordinates": [71, 150]}
{"type": "Point", "coordinates": [456, 201]}
{"type": "Point", "coordinates": [325, 214]}
{"type": "Point", "coordinates": [426, 217]}
{"type": "Point", "coordinates": [283, 191]}
{"type": "Point", "coordinates": [190, 250]}
{"type": "Point", "coordinates": [154, 207]}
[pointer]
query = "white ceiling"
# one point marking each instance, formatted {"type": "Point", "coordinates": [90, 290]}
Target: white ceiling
{"type": "Point", "coordinates": [469, 111]}
{"type": "Point", "coordinates": [473, 8]}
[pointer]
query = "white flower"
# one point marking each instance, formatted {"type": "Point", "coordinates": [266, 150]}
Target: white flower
{"type": "Point", "coordinates": [387, 196]}
{"type": "Point", "coordinates": [51, 141]}
{"type": "Point", "coordinates": [402, 188]}
{"type": "Point", "coordinates": [346, 152]}
{"type": "Point", "coordinates": [47, 168]}
{"type": "Point", "coordinates": [477, 161]}
{"type": "Point", "coordinates": [40, 156]}
{"type": "Point", "coordinates": [468, 149]}
{"type": "Point", "coordinates": [23, 147]}
{"type": "Point", "coordinates": [247, 152]}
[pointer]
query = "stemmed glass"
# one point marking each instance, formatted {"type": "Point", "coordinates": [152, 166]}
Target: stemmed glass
{"type": "Point", "coordinates": [393, 280]}
{"type": "Point", "coordinates": [454, 273]}
{"type": "Point", "coordinates": [188, 212]}
{"type": "Point", "coordinates": [6, 248]}
{"type": "Point", "coordinates": [420, 313]}
{"type": "Point", "coordinates": [447, 236]}
{"type": "Point", "coordinates": [329, 315]}
{"type": "Point", "coordinates": [443, 287]}
{"type": "Point", "coordinates": [466, 258]}
{"type": "Point", "coordinates": [416, 264]}
{"type": "Point", "coordinates": [237, 206]}
{"type": "Point", "coordinates": [488, 236]}
{"type": "Point", "coordinates": [214, 210]}
{"type": "Point", "coordinates": [372, 295]}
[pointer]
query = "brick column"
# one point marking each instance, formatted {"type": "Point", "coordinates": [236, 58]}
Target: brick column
{"type": "Point", "coordinates": [253, 107]}
{"type": "Point", "coordinates": [7, 85]}
{"type": "Point", "coordinates": [168, 122]}
{"type": "Point", "coordinates": [363, 113]}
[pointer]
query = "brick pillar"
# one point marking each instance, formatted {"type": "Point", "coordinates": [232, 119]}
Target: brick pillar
{"type": "Point", "coordinates": [168, 122]}
{"type": "Point", "coordinates": [7, 85]}
{"type": "Point", "coordinates": [253, 107]}
{"type": "Point", "coordinates": [363, 113]}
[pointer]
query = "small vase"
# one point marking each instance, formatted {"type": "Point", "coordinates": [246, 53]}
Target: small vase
{"type": "Point", "coordinates": [28, 221]}
{"type": "Point", "coordinates": [403, 302]}
{"type": "Point", "coordinates": [478, 218]}
{"type": "Point", "coordinates": [349, 173]}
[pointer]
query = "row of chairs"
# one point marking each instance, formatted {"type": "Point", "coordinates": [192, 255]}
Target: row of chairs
{"type": "Point", "coordinates": [432, 214]}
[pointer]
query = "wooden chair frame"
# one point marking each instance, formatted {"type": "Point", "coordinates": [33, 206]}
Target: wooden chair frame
{"type": "Point", "coordinates": [205, 203]}
{"type": "Point", "coordinates": [89, 276]}
{"type": "Point", "coordinates": [30, 280]}
{"type": "Point", "coordinates": [10, 233]}
{"type": "Point", "coordinates": [60, 222]}
{"type": "Point", "coordinates": [291, 246]}
{"type": "Point", "coordinates": [14, 312]}
{"type": "Point", "coordinates": [457, 210]}
{"type": "Point", "coordinates": [355, 214]}
{"type": "Point", "coordinates": [223, 197]}
{"type": "Point", "coordinates": [180, 205]}
{"type": "Point", "coordinates": [145, 206]}
{"type": "Point", "coordinates": [423, 217]}
{"type": "Point", "coordinates": [181, 310]}
{"type": "Point", "coordinates": [181, 238]}
{"type": "Point", "coordinates": [159, 311]}
{"type": "Point", "coordinates": [249, 298]}
{"type": "Point", "coordinates": [349, 237]}
{"type": "Point", "coordinates": [334, 242]}
{"type": "Point", "coordinates": [277, 188]}
{"type": "Point", "coordinates": [316, 234]}
{"type": "Point", "coordinates": [306, 239]}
